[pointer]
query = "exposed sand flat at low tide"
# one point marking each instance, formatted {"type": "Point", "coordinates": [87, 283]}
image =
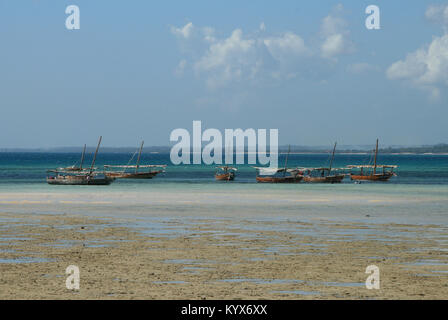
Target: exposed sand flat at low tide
{"type": "Point", "coordinates": [239, 242]}
{"type": "Point", "coordinates": [241, 257]}
{"type": "Point", "coordinates": [339, 202]}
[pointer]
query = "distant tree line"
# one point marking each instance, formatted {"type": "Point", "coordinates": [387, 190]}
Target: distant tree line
{"type": "Point", "coordinates": [438, 148]}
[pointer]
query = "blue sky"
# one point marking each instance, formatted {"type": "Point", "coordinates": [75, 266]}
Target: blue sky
{"type": "Point", "coordinates": [138, 69]}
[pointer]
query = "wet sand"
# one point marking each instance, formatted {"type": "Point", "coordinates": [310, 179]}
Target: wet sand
{"type": "Point", "coordinates": [218, 258]}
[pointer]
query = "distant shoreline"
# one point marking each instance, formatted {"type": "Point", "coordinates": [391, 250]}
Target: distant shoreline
{"type": "Point", "coordinates": [280, 152]}
{"type": "Point", "coordinates": [435, 149]}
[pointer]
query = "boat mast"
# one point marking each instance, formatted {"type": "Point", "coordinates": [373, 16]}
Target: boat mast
{"type": "Point", "coordinates": [94, 157]}
{"type": "Point", "coordinates": [376, 154]}
{"type": "Point", "coordinates": [138, 159]}
{"type": "Point", "coordinates": [286, 160]}
{"type": "Point", "coordinates": [332, 158]}
{"type": "Point", "coordinates": [82, 157]}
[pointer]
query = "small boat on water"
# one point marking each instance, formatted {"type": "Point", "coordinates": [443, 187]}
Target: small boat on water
{"type": "Point", "coordinates": [136, 174]}
{"type": "Point", "coordinates": [225, 173]}
{"type": "Point", "coordinates": [370, 172]}
{"type": "Point", "coordinates": [77, 175]}
{"type": "Point", "coordinates": [79, 178]}
{"type": "Point", "coordinates": [323, 175]}
{"type": "Point", "coordinates": [267, 175]}
{"type": "Point", "coordinates": [279, 175]}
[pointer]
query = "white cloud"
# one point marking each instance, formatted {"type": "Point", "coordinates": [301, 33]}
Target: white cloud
{"type": "Point", "coordinates": [243, 57]}
{"type": "Point", "coordinates": [184, 32]}
{"type": "Point", "coordinates": [426, 68]}
{"type": "Point", "coordinates": [335, 35]}
{"type": "Point", "coordinates": [257, 56]}
{"type": "Point", "coordinates": [438, 14]}
{"type": "Point", "coordinates": [333, 45]}
{"type": "Point", "coordinates": [333, 24]}
{"type": "Point", "coordinates": [190, 32]}
{"type": "Point", "coordinates": [228, 59]}
{"type": "Point", "coordinates": [180, 67]}
{"type": "Point", "coordinates": [285, 47]}
{"type": "Point", "coordinates": [223, 52]}
{"type": "Point", "coordinates": [209, 34]}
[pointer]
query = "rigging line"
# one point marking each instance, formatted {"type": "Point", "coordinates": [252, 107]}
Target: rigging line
{"type": "Point", "coordinates": [372, 156]}
{"type": "Point", "coordinates": [124, 169]}
{"type": "Point", "coordinates": [327, 163]}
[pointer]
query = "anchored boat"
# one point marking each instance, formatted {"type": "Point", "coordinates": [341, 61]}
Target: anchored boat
{"type": "Point", "coordinates": [77, 175]}
{"type": "Point", "coordinates": [275, 175]}
{"type": "Point", "coordinates": [225, 173]}
{"type": "Point", "coordinates": [323, 175]}
{"type": "Point", "coordinates": [372, 172]}
{"type": "Point", "coordinates": [136, 174]}
{"type": "Point", "coordinates": [79, 178]}
{"type": "Point", "coordinates": [279, 175]}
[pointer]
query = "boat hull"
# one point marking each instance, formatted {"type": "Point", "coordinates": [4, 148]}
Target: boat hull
{"type": "Point", "coordinates": [295, 179]}
{"type": "Point", "coordinates": [80, 181]}
{"type": "Point", "coordinates": [138, 175]}
{"type": "Point", "coordinates": [372, 177]}
{"type": "Point", "coordinates": [328, 179]}
{"type": "Point", "coordinates": [230, 176]}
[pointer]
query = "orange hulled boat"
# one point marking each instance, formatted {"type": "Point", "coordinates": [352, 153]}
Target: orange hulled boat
{"type": "Point", "coordinates": [372, 172]}
{"type": "Point", "coordinates": [225, 173]}
{"type": "Point", "coordinates": [323, 175]}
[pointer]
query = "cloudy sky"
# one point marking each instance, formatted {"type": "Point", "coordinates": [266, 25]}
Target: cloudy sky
{"type": "Point", "coordinates": [137, 70]}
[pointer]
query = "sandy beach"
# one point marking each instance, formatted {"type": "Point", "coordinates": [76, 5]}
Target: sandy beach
{"type": "Point", "coordinates": [154, 254]}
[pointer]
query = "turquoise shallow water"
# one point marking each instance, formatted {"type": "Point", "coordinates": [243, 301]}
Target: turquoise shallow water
{"type": "Point", "coordinates": [28, 170]}
{"type": "Point", "coordinates": [419, 192]}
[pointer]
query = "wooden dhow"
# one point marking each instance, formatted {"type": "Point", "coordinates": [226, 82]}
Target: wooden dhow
{"type": "Point", "coordinates": [323, 175]}
{"type": "Point", "coordinates": [79, 176]}
{"type": "Point", "coordinates": [372, 172]}
{"type": "Point", "coordinates": [135, 174]}
{"type": "Point", "coordinates": [225, 173]}
{"type": "Point", "coordinates": [57, 177]}
{"type": "Point", "coordinates": [264, 175]}
{"type": "Point", "coordinates": [279, 175]}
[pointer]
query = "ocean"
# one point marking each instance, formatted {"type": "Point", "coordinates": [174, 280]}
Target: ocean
{"type": "Point", "coordinates": [419, 192]}
{"type": "Point", "coordinates": [28, 170]}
